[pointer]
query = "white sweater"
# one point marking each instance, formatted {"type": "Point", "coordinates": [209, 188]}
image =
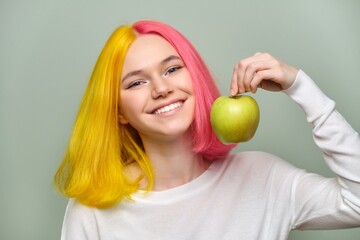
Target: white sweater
{"type": "Point", "coordinates": [249, 195]}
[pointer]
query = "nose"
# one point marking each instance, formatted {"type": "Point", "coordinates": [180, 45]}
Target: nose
{"type": "Point", "coordinates": [161, 87]}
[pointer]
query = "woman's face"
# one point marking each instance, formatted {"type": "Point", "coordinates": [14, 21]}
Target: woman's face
{"type": "Point", "coordinates": [156, 94]}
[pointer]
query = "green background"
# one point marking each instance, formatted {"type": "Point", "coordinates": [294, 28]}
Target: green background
{"type": "Point", "coordinates": [48, 49]}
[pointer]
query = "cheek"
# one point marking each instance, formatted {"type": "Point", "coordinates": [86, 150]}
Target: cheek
{"type": "Point", "coordinates": [132, 104]}
{"type": "Point", "coordinates": [126, 107]}
{"type": "Point", "coordinates": [186, 83]}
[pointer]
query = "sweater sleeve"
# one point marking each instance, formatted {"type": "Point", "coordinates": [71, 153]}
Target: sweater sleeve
{"type": "Point", "coordinates": [318, 202]}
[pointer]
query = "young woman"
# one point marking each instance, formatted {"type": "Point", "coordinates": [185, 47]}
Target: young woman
{"type": "Point", "coordinates": [144, 163]}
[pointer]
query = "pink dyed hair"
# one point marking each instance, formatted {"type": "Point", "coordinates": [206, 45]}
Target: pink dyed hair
{"type": "Point", "coordinates": [205, 141]}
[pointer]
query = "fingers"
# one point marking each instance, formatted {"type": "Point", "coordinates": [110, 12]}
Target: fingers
{"type": "Point", "coordinates": [246, 71]}
{"type": "Point", "coordinates": [253, 74]}
{"type": "Point", "coordinates": [234, 87]}
{"type": "Point", "coordinates": [261, 70]}
{"type": "Point", "coordinates": [263, 80]}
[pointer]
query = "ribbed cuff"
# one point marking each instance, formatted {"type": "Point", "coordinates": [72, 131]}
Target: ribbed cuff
{"type": "Point", "coordinates": [308, 96]}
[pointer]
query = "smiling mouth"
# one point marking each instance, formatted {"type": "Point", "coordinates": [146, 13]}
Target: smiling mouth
{"type": "Point", "coordinates": [168, 108]}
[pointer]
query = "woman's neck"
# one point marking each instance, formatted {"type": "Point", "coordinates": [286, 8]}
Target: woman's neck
{"type": "Point", "coordinates": [174, 162]}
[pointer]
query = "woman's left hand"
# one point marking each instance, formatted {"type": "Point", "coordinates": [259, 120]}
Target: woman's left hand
{"type": "Point", "coordinates": [262, 71]}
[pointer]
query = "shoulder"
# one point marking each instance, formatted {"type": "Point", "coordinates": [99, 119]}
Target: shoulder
{"type": "Point", "coordinates": [254, 158]}
{"type": "Point", "coordinates": [74, 207]}
{"type": "Point", "coordinates": [260, 170]}
{"type": "Point", "coordinates": [259, 162]}
{"type": "Point", "coordinates": [77, 214]}
{"type": "Point", "coordinates": [79, 222]}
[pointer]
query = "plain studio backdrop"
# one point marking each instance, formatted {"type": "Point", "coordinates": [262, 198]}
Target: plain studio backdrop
{"type": "Point", "coordinates": [48, 49]}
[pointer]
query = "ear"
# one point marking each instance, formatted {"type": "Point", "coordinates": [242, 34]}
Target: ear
{"type": "Point", "coordinates": [122, 119]}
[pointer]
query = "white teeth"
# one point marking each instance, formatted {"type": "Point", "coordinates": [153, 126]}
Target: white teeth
{"type": "Point", "coordinates": [168, 108]}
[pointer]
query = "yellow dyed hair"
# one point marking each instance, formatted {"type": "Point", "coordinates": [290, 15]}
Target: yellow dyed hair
{"type": "Point", "coordinates": [93, 169]}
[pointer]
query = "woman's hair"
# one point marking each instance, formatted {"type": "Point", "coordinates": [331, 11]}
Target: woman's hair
{"type": "Point", "coordinates": [93, 169]}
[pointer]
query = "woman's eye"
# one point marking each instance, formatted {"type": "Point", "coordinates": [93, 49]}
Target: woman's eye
{"type": "Point", "coordinates": [135, 84]}
{"type": "Point", "coordinates": [172, 70]}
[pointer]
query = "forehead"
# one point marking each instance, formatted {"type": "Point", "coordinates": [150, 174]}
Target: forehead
{"type": "Point", "coordinates": [147, 50]}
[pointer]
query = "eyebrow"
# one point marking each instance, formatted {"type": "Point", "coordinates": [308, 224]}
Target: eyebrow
{"type": "Point", "coordinates": [163, 62]}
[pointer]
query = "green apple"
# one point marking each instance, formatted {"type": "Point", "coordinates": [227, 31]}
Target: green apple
{"type": "Point", "coordinates": [235, 119]}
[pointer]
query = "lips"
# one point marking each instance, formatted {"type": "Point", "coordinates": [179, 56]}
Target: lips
{"type": "Point", "coordinates": [168, 107]}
